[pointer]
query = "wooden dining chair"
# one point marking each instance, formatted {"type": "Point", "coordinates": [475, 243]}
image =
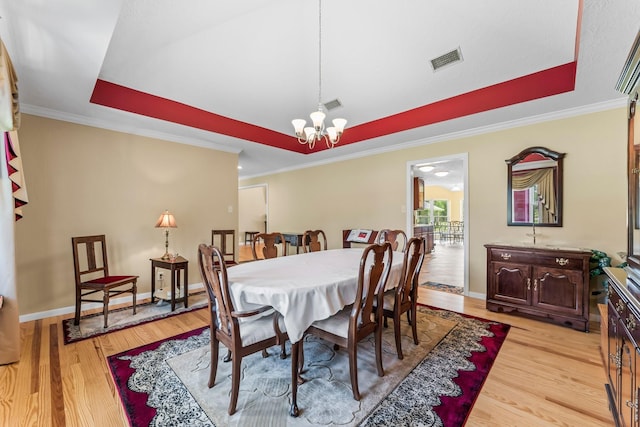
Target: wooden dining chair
{"type": "Point", "coordinates": [242, 332]}
{"type": "Point", "coordinates": [356, 322]}
{"type": "Point", "coordinates": [91, 272]}
{"type": "Point", "coordinates": [269, 240]}
{"type": "Point", "coordinates": [225, 240]}
{"type": "Point", "coordinates": [404, 297]}
{"type": "Point", "coordinates": [397, 238]}
{"type": "Point", "coordinates": [311, 241]}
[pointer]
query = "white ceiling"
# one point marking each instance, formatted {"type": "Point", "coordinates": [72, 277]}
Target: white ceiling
{"type": "Point", "coordinates": [256, 62]}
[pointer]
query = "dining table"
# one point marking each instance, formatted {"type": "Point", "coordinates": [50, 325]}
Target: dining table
{"type": "Point", "coordinates": [303, 288]}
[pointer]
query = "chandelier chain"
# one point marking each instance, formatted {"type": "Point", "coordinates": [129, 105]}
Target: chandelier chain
{"type": "Point", "coordinates": [319, 53]}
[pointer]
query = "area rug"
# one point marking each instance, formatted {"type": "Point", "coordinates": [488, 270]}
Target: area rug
{"type": "Point", "coordinates": [91, 325]}
{"type": "Point", "coordinates": [436, 384]}
{"type": "Point", "coordinates": [444, 287]}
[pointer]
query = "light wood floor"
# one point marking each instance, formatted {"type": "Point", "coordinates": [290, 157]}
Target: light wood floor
{"type": "Point", "coordinates": [445, 264]}
{"type": "Point", "coordinates": [545, 375]}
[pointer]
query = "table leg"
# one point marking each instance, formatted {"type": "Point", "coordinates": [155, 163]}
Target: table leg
{"type": "Point", "coordinates": [173, 288]}
{"type": "Point", "coordinates": [186, 287]}
{"type": "Point", "coordinates": [153, 282]}
{"type": "Point", "coordinates": [293, 411]}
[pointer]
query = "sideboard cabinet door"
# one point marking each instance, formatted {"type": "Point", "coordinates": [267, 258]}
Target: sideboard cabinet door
{"type": "Point", "coordinates": [511, 283]}
{"type": "Point", "coordinates": [558, 290]}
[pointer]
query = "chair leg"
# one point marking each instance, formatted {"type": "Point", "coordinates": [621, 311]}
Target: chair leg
{"type": "Point", "coordinates": [264, 353]}
{"type": "Point", "coordinates": [414, 325]}
{"type": "Point", "coordinates": [353, 371]}
{"type": "Point", "coordinates": [134, 290]}
{"type": "Point", "coordinates": [396, 332]}
{"type": "Point", "coordinates": [378, 340]}
{"type": "Point", "coordinates": [235, 383]}
{"type": "Point", "coordinates": [215, 345]}
{"type": "Point", "coordinates": [228, 357]}
{"type": "Point", "coordinates": [76, 320]}
{"type": "Point", "coordinates": [105, 307]}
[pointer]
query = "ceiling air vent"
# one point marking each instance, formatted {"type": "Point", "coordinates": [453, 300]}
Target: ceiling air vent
{"type": "Point", "coordinates": [331, 105]}
{"type": "Point", "coordinates": [446, 59]}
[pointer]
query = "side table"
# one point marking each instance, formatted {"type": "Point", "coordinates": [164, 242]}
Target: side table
{"type": "Point", "coordinates": [176, 266]}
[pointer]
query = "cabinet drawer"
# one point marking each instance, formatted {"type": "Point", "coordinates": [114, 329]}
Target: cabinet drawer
{"type": "Point", "coordinates": [565, 262]}
{"type": "Point", "coordinates": [543, 259]}
{"type": "Point", "coordinates": [510, 255]}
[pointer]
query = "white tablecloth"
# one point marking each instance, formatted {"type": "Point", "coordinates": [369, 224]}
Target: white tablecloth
{"type": "Point", "coordinates": [303, 288]}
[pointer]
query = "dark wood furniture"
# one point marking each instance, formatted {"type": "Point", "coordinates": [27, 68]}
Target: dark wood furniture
{"type": "Point", "coordinates": [269, 240]}
{"type": "Point", "coordinates": [346, 243]}
{"type": "Point", "coordinates": [404, 297]}
{"type": "Point", "coordinates": [623, 346]}
{"type": "Point", "coordinates": [427, 233]}
{"type": "Point", "coordinates": [179, 287]}
{"type": "Point", "coordinates": [418, 193]}
{"type": "Point", "coordinates": [225, 240]}
{"type": "Point", "coordinates": [623, 328]}
{"type": "Point", "coordinates": [544, 283]}
{"type": "Point", "coordinates": [254, 333]}
{"type": "Point", "coordinates": [293, 239]}
{"type": "Point", "coordinates": [91, 272]}
{"type": "Point", "coordinates": [355, 323]}
{"type": "Point", "coordinates": [312, 241]}
{"type": "Point", "coordinates": [249, 235]}
{"type": "Point", "coordinates": [397, 238]}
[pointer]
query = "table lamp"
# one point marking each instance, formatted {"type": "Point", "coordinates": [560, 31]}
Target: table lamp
{"type": "Point", "coordinates": [166, 221]}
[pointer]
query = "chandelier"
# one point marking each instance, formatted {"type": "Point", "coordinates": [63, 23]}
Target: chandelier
{"type": "Point", "coordinates": [312, 134]}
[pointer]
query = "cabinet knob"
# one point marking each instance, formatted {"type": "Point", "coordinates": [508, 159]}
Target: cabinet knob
{"type": "Point", "coordinates": [631, 323]}
{"type": "Point", "coordinates": [505, 255]}
{"type": "Point", "coordinates": [616, 359]}
{"type": "Point", "coordinates": [562, 261]}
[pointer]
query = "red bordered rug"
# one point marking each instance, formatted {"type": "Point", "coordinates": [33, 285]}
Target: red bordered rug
{"type": "Point", "coordinates": [439, 391]}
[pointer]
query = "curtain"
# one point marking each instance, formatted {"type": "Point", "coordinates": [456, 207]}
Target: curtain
{"type": "Point", "coordinates": [544, 179]}
{"type": "Point", "coordinates": [13, 196]}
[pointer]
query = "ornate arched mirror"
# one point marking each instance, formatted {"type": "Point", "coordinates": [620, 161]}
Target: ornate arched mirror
{"type": "Point", "coordinates": [534, 189]}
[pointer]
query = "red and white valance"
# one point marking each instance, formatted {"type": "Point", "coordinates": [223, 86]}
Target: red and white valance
{"type": "Point", "coordinates": [9, 123]}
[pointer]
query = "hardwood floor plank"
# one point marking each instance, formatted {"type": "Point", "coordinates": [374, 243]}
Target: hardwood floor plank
{"type": "Point", "coordinates": [35, 354]}
{"type": "Point", "coordinates": [57, 395]}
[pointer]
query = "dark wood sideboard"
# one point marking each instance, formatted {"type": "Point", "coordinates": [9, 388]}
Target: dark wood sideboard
{"type": "Point", "coordinates": [550, 284]}
{"type": "Point", "coordinates": [622, 352]}
{"type": "Point", "coordinates": [425, 231]}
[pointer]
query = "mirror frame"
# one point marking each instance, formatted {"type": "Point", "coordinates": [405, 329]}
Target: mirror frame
{"type": "Point", "coordinates": [554, 155]}
{"type": "Point", "coordinates": [633, 160]}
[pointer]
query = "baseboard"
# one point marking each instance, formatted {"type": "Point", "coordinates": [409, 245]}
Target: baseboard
{"type": "Point", "coordinates": [71, 309]}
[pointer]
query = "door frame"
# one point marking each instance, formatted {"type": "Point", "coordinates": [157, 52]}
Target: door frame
{"type": "Point", "coordinates": [465, 207]}
{"type": "Point", "coordinates": [266, 198]}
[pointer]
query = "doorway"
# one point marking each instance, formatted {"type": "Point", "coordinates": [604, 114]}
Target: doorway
{"type": "Point", "coordinates": [253, 210]}
{"type": "Point", "coordinates": [444, 207]}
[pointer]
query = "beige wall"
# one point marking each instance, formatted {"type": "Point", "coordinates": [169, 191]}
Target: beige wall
{"type": "Point", "coordinates": [83, 180]}
{"type": "Point", "coordinates": [370, 192]}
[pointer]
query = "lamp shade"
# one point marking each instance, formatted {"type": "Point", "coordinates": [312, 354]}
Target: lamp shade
{"type": "Point", "coordinates": [166, 220]}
